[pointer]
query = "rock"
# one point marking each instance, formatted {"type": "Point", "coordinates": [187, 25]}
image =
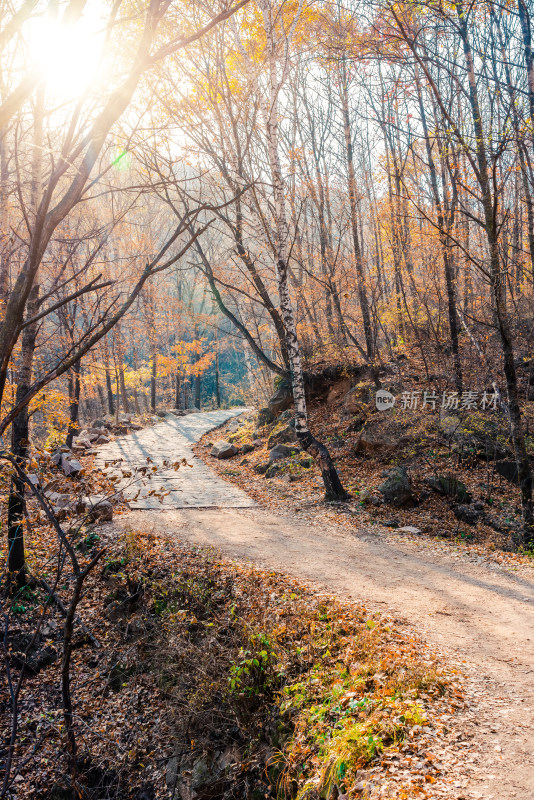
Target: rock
{"type": "Point", "coordinates": [358, 398]}
{"type": "Point", "coordinates": [480, 438]}
{"type": "Point", "coordinates": [222, 449]}
{"type": "Point", "coordinates": [70, 466]}
{"type": "Point", "coordinates": [135, 426]}
{"type": "Point", "coordinates": [265, 417]}
{"type": "Point", "coordinates": [160, 414]}
{"type": "Point", "coordinates": [466, 513]}
{"type": "Point", "coordinates": [171, 773]}
{"type": "Point", "coordinates": [370, 442]}
{"type": "Point", "coordinates": [57, 499]}
{"type": "Point", "coordinates": [288, 415]}
{"type": "Point", "coordinates": [306, 462]}
{"type": "Point", "coordinates": [450, 426]}
{"type": "Point", "coordinates": [247, 448]}
{"type": "Point", "coordinates": [30, 651]}
{"type": "Point", "coordinates": [281, 451]}
{"type": "Point", "coordinates": [449, 486]}
{"type": "Point", "coordinates": [82, 442]}
{"type": "Point", "coordinates": [204, 771]}
{"type": "Point", "coordinates": [391, 523]}
{"type": "Point", "coordinates": [257, 443]}
{"type": "Point", "coordinates": [262, 468]}
{"type": "Point", "coordinates": [508, 470]}
{"type": "Point", "coordinates": [102, 439]}
{"type": "Point", "coordinates": [281, 399]}
{"type": "Point", "coordinates": [338, 390]}
{"type": "Point", "coordinates": [409, 529]}
{"type": "Point", "coordinates": [273, 469]}
{"type": "Point", "coordinates": [98, 423]}
{"type": "Point", "coordinates": [281, 436]}
{"type": "Point", "coordinates": [397, 488]}
{"type": "Point", "coordinates": [97, 508]}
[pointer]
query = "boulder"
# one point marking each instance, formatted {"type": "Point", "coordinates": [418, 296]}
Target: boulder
{"type": "Point", "coordinates": [161, 414]}
{"type": "Point", "coordinates": [136, 426]}
{"type": "Point", "coordinates": [281, 399]}
{"type": "Point", "coordinates": [466, 513]}
{"type": "Point", "coordinates": [102, 439]}
{"type": "Point", "coordinates": [82, 442]}
{"type": "Point", "coordinates": [281, 451]}
{"type": "Point", "coordinates": [397, 488]}
{"type": "Point", "coordinates": [247, 448]}
{"type": "Point", "coordinates": [282, 436]}
{"type": "Point", "coordinates": [222, 449]}
{"type": "Point", "coordinates": [262, 468]}
{"type": "Point", "coordinates": [97, 509]}
{"type": "Point", "coordinates": [358, 398]}
{"type": "Point", "coordinates": [58, 499]}
{"type": "Point", "coordinates": [70, 466]}
{"type": "Point", "coordinates": [370, 442]}
{"type": "Point", "coordinates": [98, 423]}
{"type": "Point", "coordinates": [257, 443]}
{"type": "Point", "coordinates": [508, 470]}
{"type": "Point", "coordinates": [449, 486]}
{"type": "Point", "coordinates": [265, 417]}
{"type": "Point", "coordinates": [273, 469]}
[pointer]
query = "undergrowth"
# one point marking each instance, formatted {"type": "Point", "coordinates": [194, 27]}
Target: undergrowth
{"type": "Point", "coordinates": [227, 681]}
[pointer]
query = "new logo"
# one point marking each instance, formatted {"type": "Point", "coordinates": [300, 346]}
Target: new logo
{"type": "Point", "coordinates": [384, 400]}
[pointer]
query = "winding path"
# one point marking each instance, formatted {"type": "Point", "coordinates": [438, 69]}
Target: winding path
{"type": "Point", "coordinates": [131, 459]}
{"type": "Point", "coordinates": [476, 613]}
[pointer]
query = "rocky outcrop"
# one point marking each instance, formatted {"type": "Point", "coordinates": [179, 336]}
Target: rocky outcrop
{"type": "Point", "coordinates": [281, 451]}
{"type": "Point", "coordinates": [449, 486]}
{"type": "Point", "coordinates": [281, 399]}
{"type": "Point", "coordinates": [397, 488]}
{"type": "Point", "coordinates": [222, 449]}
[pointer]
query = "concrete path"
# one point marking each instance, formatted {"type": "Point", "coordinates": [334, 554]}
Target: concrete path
{"type": "Point", "coordinates": [143, 465]}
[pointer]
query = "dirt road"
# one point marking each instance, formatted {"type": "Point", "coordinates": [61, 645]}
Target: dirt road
{"type": "Point", "coordinates": [474, 612]}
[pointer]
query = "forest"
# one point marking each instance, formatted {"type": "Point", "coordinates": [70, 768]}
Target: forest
{"type": "Point", "coordinates": [276, 256]}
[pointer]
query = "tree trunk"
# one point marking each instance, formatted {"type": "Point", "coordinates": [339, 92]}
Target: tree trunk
{"type": "Point", "coordinates": [497, 278]}
{"type": "Point", "coordinates": [333, 487]}
{"type": "Point", "coordinates": [358, 260]}
{"type": "Point", "coordinates": [74, 404]}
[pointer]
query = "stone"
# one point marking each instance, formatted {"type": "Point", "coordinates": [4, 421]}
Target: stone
{"type": "Point", "coordinates": [98, 423]}
{"type": "Point", "coordinates": [306, 462]}
{"type": "Point", "coordinates": [136, 426]}
{"type": "Point", "coordinates": [466, 513]}
{"type": "Point", "coordinates": [391, 523]}
{"type": "Point", "coordinates": [370, 442]}
{"type": "Point", "coordinates": [449, 486]}
{"type": "Point", "coordinates": [70, 466]}
{"type": "Point", "coordinates": [222, 449]}
{"type": "Point", "coordinates": [160, 414]}
{"type": "Point", "coordinates": [357, 399]}
{"type": "Point", "coordinates": [409, 529]}
{"type": "Point", "coordinates": [397, 488]}
{"type": "Point", "coordinates": [257, 443]}
{"type": "Point", "coordinates": [82, 442]}
{"type": "Point", "coordinates": [262, 468]}
{"type": "Point", "coordinates": [58, 499]}
{"type": "Point", "coordinates": [247, 448]}
{"type": "Point", "coordinates": [281, 451]}
{"type": "Point", "coordinates": [102, 439]}
{"type": "Point", "coordinates": [265, 417]}
{"type": "Point", "coordinates": [273, 469]}
{"type": "Point", "coordinates": [98, 509]}
{"type": "Point", "coordinates": [281, 436]}
{"type": "Point", "coordinates": [281, 399]}
{"type": "Point", "coordinates": [508, 470]}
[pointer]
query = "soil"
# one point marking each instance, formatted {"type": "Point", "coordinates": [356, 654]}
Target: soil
{"type": "Point", "coordinates": [473, 608]}
{"type": "Point", "coordinates": [474, 611]}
